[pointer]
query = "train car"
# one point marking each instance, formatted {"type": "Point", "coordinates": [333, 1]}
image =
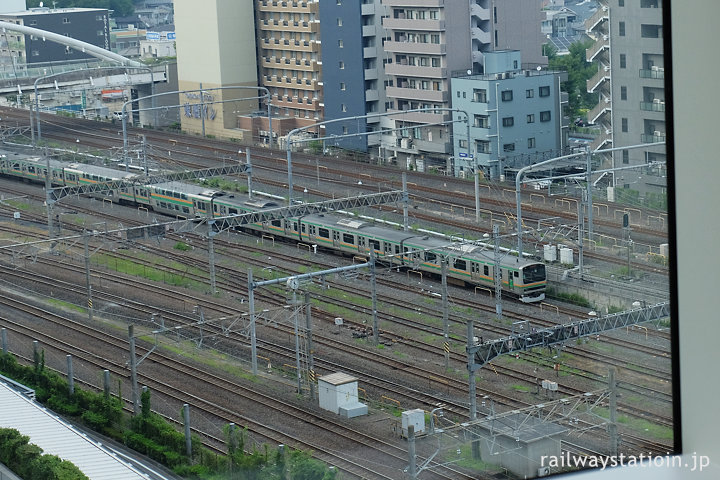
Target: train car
{"type": "Point", "coordinates": [468, 264]}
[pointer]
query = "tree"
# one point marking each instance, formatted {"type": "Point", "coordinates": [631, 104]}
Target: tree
{"type": "Point", "coordinates": [579, 70]}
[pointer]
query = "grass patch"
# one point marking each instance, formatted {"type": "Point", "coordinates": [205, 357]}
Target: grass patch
{"type": "Point", "coordinates": [521, 388]}
{"type": "Point", "coordinates": [130, 267]}
{"type": "Point", "coordinates": [66, 305]}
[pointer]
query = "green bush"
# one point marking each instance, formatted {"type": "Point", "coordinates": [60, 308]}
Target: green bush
{"type": "Point", "coordinates": [28, 461]}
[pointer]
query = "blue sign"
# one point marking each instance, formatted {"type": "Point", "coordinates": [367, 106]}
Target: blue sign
{"type": "Point", "coordinates": [171, 35]}
{"type": "Point", "coordinates": [464, 155]}
{"type": "Point", "coordinates": [152, 36]}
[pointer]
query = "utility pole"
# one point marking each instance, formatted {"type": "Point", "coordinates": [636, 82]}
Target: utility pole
{"type": "Point", "coordinates": [446, 326]}
{"type": "Point", "coordinates": [498, 273]}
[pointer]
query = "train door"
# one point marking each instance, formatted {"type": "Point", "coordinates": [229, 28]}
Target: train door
{"type": "Point", "coordinates": [336, 239]}
{"type": "Point", "coordinates": [475, 271]}
{"type": "Point", "coordinates": [510, 278]}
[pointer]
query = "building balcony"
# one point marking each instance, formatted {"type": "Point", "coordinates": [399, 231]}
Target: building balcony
{"type": "Point", "coordinates": [654, 137]}
{"type": "Point", "coordinates": [601, 15]}
{"type": "Point", "coordinates": [415, 47]}
{"type": "Point", "coordinates": [656, 105]}
{"type": "Point", "coordinates": [602, 140]}
{"type": "Point", "coordinates": [371, 95]}
{"type": "Point", "coordinates": [480, 35]}
{"type": "Point", "coordinates": [367, 9]}
{"type": "Point", "coordinates": [418, 117]}
{"type": "Point", "coordinates": [604, 107]}
{"type": "Point", "coordinates": [413, 24]}
{"type": "Point", "coordinates": [414, 71]}
{"type": "Point", "coordinates": [416, 94]}
{"type": "Point", "coordinates": [287, 6]}
{"type": "Point", "coordinates": [289, 26]}
{"type": "Point", "coordinates": [414, 3]}
{"type": "Point", "coordinates": [432, 147]}
{"type": "Point", "coordinates": [370, 74]}
{"type": "Point", "coordinates": [600, 47]}
{"type": "Point", "coordinates": [368, 30]}
{"type": "Point", "coordinates": [598, 81]}
{"type": "Point", "coordinates": [654, 72]}
{"type": "Point", "coordinates": [479, 12]}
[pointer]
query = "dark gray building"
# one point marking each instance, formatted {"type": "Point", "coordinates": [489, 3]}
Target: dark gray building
{"type": "Point", "coordinates": [342, 72]}
{"type": "Point", "coordinates": [90, 25]}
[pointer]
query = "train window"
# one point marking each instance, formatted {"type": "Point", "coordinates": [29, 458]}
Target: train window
{"type": "Point", "coordinates": [397, 249]}
{"type": "Point", "coordinates": [31, 169]}
{"type": "Point", "coordinates": [460, 264]}
{"type": "Point", "coordinates": [516, 274]}
{"type": "Point", "coordinates": [430, 257]}
{"type": "Point", "coordinates": [313, 230]}
{"type": "Point", "coordinates": [276, 223]}
{"type": "Point", "coordinates": [303, 228]}
{"type": "Point", "coordinates": [215, 209]}
{"type": "Point", "coordinates": [324, 232]}
{"type": "Point", "coordinates": [348, 238]}
{"type": "Point", "coordinates": [486, 270]}
{"type": "Point", "coordinates": [295, 226]}
{"type": "Point", "coordinates": [185, 210]}
{"type": "Point", "coordinates": [374, 244]}
{"type": "Point", "coordinates": [233, 211]}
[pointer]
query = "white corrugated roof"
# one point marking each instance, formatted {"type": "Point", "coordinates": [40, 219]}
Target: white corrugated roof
{"type": "Point", "coordinates": [56, 437]}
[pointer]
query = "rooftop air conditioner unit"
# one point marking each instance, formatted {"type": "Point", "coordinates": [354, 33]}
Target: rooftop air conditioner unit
{"type": "Point", "coordinates": [656, 133]}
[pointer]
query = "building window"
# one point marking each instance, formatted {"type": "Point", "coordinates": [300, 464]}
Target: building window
{"type": "Point", "coordinates": [626, 157]}
{"type": "Point", "coordinates": [342, 86]}
{"type": "Point", "coordinates": [462, 143]}
{"type": "Point", "coordinates": [621, 29]}
{"type": "Point", "coordinates": [340, 44]}
{"type": "Point", "coordinates": [482, 146]}
{"type": "Point", "coordinates": [481, 121]}
{"type": "Point", "coordinates": [66, 20]}
{"type": "Point", "coordinates": [341, 65]}
{"type": "Point", "coordinates": [339, 22]}
{"type": "Point", "coordinates": [496, 39]}
{"type": "Point", "coordinates": [624, 125]}
{"type": "Point", "coordinates": [531, 142]}
{"type": "Point", "coordinates": [623, 60]}
{"type": "Point", "coordinates": [345, 130]}
{"type": "Point", "coordinates": [434, 38]}
{"type": "Point", "coordinates": [531, 118]}
{"type": "Point", "coordinates": [623, 93]}
{"type": "Point", "coordinates": [479, 95]}
{"type": "Point", "coordinates": [621, 3]}
{"type": "Point", "coordinates": [529, 93]}
{"type": "Point", "coordinates": [509, 147]}
{"type": "Point", "coordinates": [544, 91]}
{"type": "Point", "coordinates": [506, 95]}
{"type": "Point", "coordinates": [545, 116]}
{"type": "Point", "coordinates": [100, 33]}
{"type": "Point", "coordinates": [343, 107]}
{"type": "Point", "coordinates": [34, 53]}
{"type": "Point", "coordinates": [508, 121]}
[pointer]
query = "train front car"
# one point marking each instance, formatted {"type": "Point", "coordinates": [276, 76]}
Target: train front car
{"type": "Point", "coordinates": [534, 282]}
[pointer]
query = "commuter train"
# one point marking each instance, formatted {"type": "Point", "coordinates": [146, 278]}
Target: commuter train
{"type": "Point", "coordinates": [468, 264]}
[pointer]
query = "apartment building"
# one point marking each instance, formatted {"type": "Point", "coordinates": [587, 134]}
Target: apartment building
{"type": "Point", "coordinates": [353, 77]}
{"type": "Point", "coordinates": [90, 25]}
{"type": "Point", "coordinates": [516, 117]}
{"type": "Point", "coordinates": [289, 61]}
{"type": "Point", "coordinates": [424, 43]}
{"type": "Point", "coordinates": [628, 48]}
{"type": "Point", "coordinates": [506, 25]}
